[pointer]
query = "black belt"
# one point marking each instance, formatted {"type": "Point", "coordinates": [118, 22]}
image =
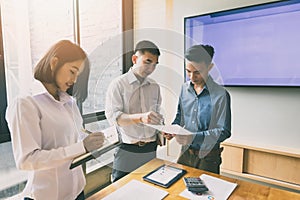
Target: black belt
{"type": "Point", "coordinates": [139, 143]}
{"type": "Point", "coordinates": [137, 148]}
{"type": "Point", "coordinates": [142, 143]}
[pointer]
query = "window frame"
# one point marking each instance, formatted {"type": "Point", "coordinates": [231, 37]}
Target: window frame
{"type": "Point", "coordinates": [4, 131]}
{"type": "Point", "coordinates": [127, 47]}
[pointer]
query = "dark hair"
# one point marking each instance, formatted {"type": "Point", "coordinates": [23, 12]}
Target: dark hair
{"type": "Point", "coordinates": [80, 89]}
{"type": "Point", "coordinates": [147, 46]}
{"type": "Point", "coordinates": [200, 53]}
{"type": "Point", "coordinates": [65, 51]}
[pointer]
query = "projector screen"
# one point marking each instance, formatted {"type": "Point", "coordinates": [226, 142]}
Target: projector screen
{"type": "Point", "coordinates": [254, 46]}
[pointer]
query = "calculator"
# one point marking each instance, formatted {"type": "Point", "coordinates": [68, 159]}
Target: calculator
{"type": "Point", "coordinates": [195, 185]}
{"type": "Point", "coordinates": [198, 190]}
{"type": "Point", "coordinates": [192, 182]}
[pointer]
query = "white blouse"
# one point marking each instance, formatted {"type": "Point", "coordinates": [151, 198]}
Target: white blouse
{"type": "Point", "coordinates": [46, 138]}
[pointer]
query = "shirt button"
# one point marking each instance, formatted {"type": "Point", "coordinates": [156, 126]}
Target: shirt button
{"type": "Point", "coordinates": [193, 122]}
{"type": "Point", "coordinates": [195, 110]}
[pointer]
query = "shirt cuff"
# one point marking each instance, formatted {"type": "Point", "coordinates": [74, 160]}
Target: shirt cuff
{"type": "Point", "coordinates": [75, 150]}
{"type": "Point", "coordinates": [116, 116]}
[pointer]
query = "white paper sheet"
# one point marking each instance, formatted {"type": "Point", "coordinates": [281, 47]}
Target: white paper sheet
{"type": "Point", "coordinates": [111, 138]}
{"type": "Point", "coordinates": [218, 189]}
{"type": "Point", "coordinates": [173, 129]}
{"type": "Point", "coordinates": [136, 190]}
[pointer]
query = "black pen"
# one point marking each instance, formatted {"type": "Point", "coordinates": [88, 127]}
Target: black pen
{"type": "Point", "coordinates": [86, 131]}
{"type": "Point", "coordinates": [89, 132]}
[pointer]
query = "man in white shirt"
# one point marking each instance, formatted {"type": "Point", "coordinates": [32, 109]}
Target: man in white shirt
{"type": "Point", "coordinates": [132, 100]}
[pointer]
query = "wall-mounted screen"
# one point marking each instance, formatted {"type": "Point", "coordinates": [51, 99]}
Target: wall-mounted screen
{"type": "Point", "coordinates": [255, 46]}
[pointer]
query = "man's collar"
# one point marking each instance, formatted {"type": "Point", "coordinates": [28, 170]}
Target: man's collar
{"type": "Point", "coordinates": [132, 78]}
{"type": "Point", "coordinates": [206, 86]}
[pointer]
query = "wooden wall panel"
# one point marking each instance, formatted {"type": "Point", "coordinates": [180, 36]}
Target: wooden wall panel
{"type": "Point", "coordinates": [273, 165]}
{"type": "Point", "coordinates": [232, 159]}
{"type": "Point", "coordinates": [280, 167]}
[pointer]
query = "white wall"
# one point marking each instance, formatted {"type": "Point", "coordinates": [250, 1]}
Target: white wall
{"type": "Point", "coordinates": [264, 116]}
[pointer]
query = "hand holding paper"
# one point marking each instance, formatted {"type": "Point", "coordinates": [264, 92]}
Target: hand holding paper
{"type": "Point", "coordinates": [184, 139]}
{"type": "Point", "coordinates": [182, 135]}
{"type": "Point", "coordinates": [169, 136]}
{"type": "Point", "coordinates": [171, 129]}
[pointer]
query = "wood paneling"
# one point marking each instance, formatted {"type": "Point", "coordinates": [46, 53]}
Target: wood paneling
{"type": "Point", "coordinates": [233, 159]}
{"type": "Point", "coordinates": [279, 167]}
{"type": "Point", "coordinates": [276, 165]}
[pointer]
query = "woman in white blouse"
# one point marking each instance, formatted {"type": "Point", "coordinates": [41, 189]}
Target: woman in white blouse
{"type": "Point", "coordinates": [46, 127]}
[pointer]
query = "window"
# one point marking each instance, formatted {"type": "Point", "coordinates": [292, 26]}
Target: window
{"type": "Point", "coordinates": [100, 36]}
{"type": "Point", "coordinates": [30, 28]}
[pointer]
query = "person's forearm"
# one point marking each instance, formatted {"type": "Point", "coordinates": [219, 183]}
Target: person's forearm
{"type": "Point", "coordinates": [129, 119]}
{"type": "Point", "coordinates": [217, 134]}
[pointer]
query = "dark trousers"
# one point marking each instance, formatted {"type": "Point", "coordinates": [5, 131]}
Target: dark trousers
{"type": "Point", "coordinates": [211, 162]}
{"type": "Point", "coordinates": [80, 196]}
{"type": "Point", "coordinates": [129, 157]}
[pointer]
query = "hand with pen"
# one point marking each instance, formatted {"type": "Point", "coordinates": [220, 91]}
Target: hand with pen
{"type": "Point", "coordinates": [93, 141]}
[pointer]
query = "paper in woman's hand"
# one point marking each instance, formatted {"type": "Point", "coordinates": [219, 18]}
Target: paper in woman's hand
{"type": "Point", "coordinates": [172, 129]}
{"type": "Point", "coordinates": [112, 140]}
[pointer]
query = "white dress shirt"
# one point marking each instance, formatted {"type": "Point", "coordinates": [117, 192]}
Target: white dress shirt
{"type": "Point", "coordinates": [127, 95]}
{"type": "Point", "coordinates": [45, 137]}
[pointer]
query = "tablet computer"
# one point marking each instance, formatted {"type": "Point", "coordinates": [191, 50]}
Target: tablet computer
{"type": "Point", "coordinates": [164, 175]}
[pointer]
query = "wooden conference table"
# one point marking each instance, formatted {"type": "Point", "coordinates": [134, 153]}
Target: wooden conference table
{"type": "Point", "coordinates": [244, 190]}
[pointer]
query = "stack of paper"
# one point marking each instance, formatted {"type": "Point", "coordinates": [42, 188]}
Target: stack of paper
{"type": "Point", "coordinates": [173, 129]}
{"type": "Point", "coordinates": [136, 190]}
{"type": "Point", "coordinates": [218, 189]}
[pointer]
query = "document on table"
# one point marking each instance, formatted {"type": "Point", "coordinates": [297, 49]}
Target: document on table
{"type": "Point", "coordinates": [164, 174]}
{"type": "Point", "coordinates": [218, 189]}
{"type": "Point", "coordinates": [174, 129]}
{"type": "Point", "coordinates": [135, 190]}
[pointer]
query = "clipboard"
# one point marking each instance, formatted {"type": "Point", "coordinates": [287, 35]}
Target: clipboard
{"type": "Point", "coordinates": [164, 175]}
{"type": "Point", "coordinates": [113, 141]}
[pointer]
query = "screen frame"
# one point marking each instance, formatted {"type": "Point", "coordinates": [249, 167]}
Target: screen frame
{"type": "Point", "coordinates": [234, 11]}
